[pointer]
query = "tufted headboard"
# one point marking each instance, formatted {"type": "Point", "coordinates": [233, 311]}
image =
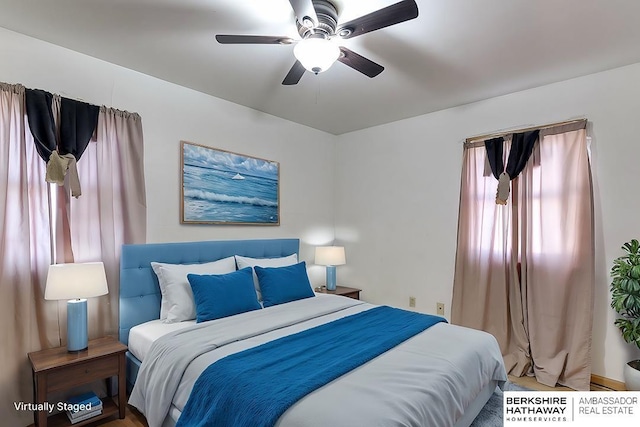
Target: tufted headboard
{"type": "Point", "coordinates": [139, 288]}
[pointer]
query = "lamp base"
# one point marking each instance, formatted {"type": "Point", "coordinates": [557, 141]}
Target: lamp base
{"type": "Point", "coordinates": [331, 277]}
{"type": "Point", "coordinates": [77, 337]}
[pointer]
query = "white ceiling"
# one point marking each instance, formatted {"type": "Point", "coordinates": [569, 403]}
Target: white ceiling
{"type": "Point", "coordinates": [455, 52]}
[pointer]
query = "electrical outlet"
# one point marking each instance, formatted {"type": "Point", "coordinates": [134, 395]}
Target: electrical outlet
{"type": "Point", "coordinates": [440, 309]}
{"type": "Point", "coordinates": [412, 301]}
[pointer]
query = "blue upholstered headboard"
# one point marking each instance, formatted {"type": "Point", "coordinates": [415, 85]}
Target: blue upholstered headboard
{"type": "Point", "coordinates": [139, 288]}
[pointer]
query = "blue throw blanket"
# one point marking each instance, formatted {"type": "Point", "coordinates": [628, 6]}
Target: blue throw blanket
{"type": "Point", "coordinates": [256, 386]}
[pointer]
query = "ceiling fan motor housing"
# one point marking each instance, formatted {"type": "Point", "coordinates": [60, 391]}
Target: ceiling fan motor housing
{"type": "Point", "coordinates": [327, 21]}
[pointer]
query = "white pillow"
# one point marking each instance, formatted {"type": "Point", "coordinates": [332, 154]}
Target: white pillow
{"type": "Point", "coordinates": [177, 298]}
{"type": "Point", "coordinates": [244, 262]}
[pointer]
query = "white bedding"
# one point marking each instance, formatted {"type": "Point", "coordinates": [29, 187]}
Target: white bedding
{"type": "Point", "coordinates": [142, 336]}
{"type": "Point", "coordinates": [428, 380]}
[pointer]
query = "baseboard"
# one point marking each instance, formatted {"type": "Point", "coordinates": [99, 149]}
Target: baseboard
{"type": "Point", "coordinates": [608, 383]}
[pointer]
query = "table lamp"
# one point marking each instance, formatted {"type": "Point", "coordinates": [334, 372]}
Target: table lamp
{"type": "Point", "coordinates": [75, 283]}
{"type": "Point", "coordinates": [330, 256]}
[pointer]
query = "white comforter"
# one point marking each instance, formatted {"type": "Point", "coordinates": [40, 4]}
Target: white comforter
{"type": "Point", "coordinates": [426, 381]}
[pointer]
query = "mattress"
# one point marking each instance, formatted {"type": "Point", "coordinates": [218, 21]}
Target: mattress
{"type": "Point", "coordinates": [142, 336]}
{"type": "Point", "coordinates": [430, 379]}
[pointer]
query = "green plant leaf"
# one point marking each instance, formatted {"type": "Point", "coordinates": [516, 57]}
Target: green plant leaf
{"type": "Point", "coordinates": [625, 291]}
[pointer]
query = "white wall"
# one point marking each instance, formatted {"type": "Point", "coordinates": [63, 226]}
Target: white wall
{"type": "Point", "coordinates": [397, 190]}
{"type": "Point", "coordinates": [172, 113]}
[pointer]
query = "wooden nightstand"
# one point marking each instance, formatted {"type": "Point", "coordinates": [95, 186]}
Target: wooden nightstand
{"type": "Point", "coordinates": [342, 290]}
{"type": "Point", "coordinates": [56, 369]}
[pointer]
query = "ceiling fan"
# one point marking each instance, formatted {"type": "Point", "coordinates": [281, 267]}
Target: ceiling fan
{"type": "Point", "coordinates": [317, 23]}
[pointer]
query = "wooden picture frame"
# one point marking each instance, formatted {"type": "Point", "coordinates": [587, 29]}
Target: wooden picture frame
{"type": "Point", "coordinates": [223, 187]}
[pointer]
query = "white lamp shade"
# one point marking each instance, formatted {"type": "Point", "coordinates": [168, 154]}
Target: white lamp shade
{"type": "Point", "coordinates": [330, 255]}
{"type": "Point", "coordinates": [71, 281]}
{"type": "Point", "coordinates": [316, 54]}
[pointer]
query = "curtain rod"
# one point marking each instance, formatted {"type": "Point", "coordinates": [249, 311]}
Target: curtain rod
{"type": "Point", "coordinates": [123, 113]}
{"type": "Point", "coordinates": [20, 86]}
{"type": "Point", "coordinates": [499, 134]}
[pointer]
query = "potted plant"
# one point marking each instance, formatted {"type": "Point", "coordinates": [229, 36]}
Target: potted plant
{"type": "Point", "coordinates": [625, 300]}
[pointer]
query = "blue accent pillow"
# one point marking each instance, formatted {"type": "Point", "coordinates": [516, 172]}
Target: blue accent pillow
{"type": "Point", "coordinates": [283, 284]}
{"type": "Point", "coordinates": [222, 295]}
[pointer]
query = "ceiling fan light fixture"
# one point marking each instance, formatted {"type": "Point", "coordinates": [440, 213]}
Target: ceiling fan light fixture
{"type": "Point", "coordinates": [316, 54]}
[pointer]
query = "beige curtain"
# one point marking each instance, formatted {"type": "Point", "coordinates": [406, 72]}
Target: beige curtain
{"type": "Point", "coordinates": [110, 212]}
{"type": "Point", "coordinates": [112, 208]}
{"type": "Point", "coordinates": [525, 271]}
{"type": "Point", "coordinates": [28, 322]}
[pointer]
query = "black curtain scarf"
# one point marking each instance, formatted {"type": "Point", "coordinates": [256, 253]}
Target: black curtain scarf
{"type": "Point", "coordinates": [495, 148]}
{"type": "Point", "coordinates": [78, 121]}
{"type": "Point", "coordinates": [521, 148]}
{"type": "Point", "coordinates": [41, 123]}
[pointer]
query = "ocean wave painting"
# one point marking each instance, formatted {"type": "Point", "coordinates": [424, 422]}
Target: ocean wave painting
{"type": "Point", "coordinates": [221, 187]}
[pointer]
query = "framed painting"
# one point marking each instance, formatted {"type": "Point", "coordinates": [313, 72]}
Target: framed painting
{"type": "Point", "coordinates": [222, 187]}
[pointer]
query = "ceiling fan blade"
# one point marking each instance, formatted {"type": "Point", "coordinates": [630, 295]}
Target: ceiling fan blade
{"type": "Point", "coordinates": [235, 39]}
{"type": "Point", "coordinates": [359, 62]}
{"type": "Point", "coordinates": [391, 15]}
{"type": "Point", "coordinates": [294, 75]}
{"type": "Point", "coordinates": [304, 9]}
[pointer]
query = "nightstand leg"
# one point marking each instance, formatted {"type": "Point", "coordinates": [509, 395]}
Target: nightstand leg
{"type": "Point", "coordinates": [40, 384]}
{"type": "Point", "coordinates": [122, 389]}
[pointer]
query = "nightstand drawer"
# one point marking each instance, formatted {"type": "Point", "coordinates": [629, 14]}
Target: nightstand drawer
{"type": "Point", "coordinates": [354, 295]}
{"type": "Point", "coordinates": [344, 291]}
{"type": "Point", "coordinates": [82, 373]}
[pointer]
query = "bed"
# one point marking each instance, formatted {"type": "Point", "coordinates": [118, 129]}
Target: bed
{"type": "Point", "coordinates": [440, 377]}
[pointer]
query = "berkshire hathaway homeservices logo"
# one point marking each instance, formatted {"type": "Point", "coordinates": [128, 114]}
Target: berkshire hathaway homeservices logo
{"type": "Point", "coordinates": [575, 408]}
